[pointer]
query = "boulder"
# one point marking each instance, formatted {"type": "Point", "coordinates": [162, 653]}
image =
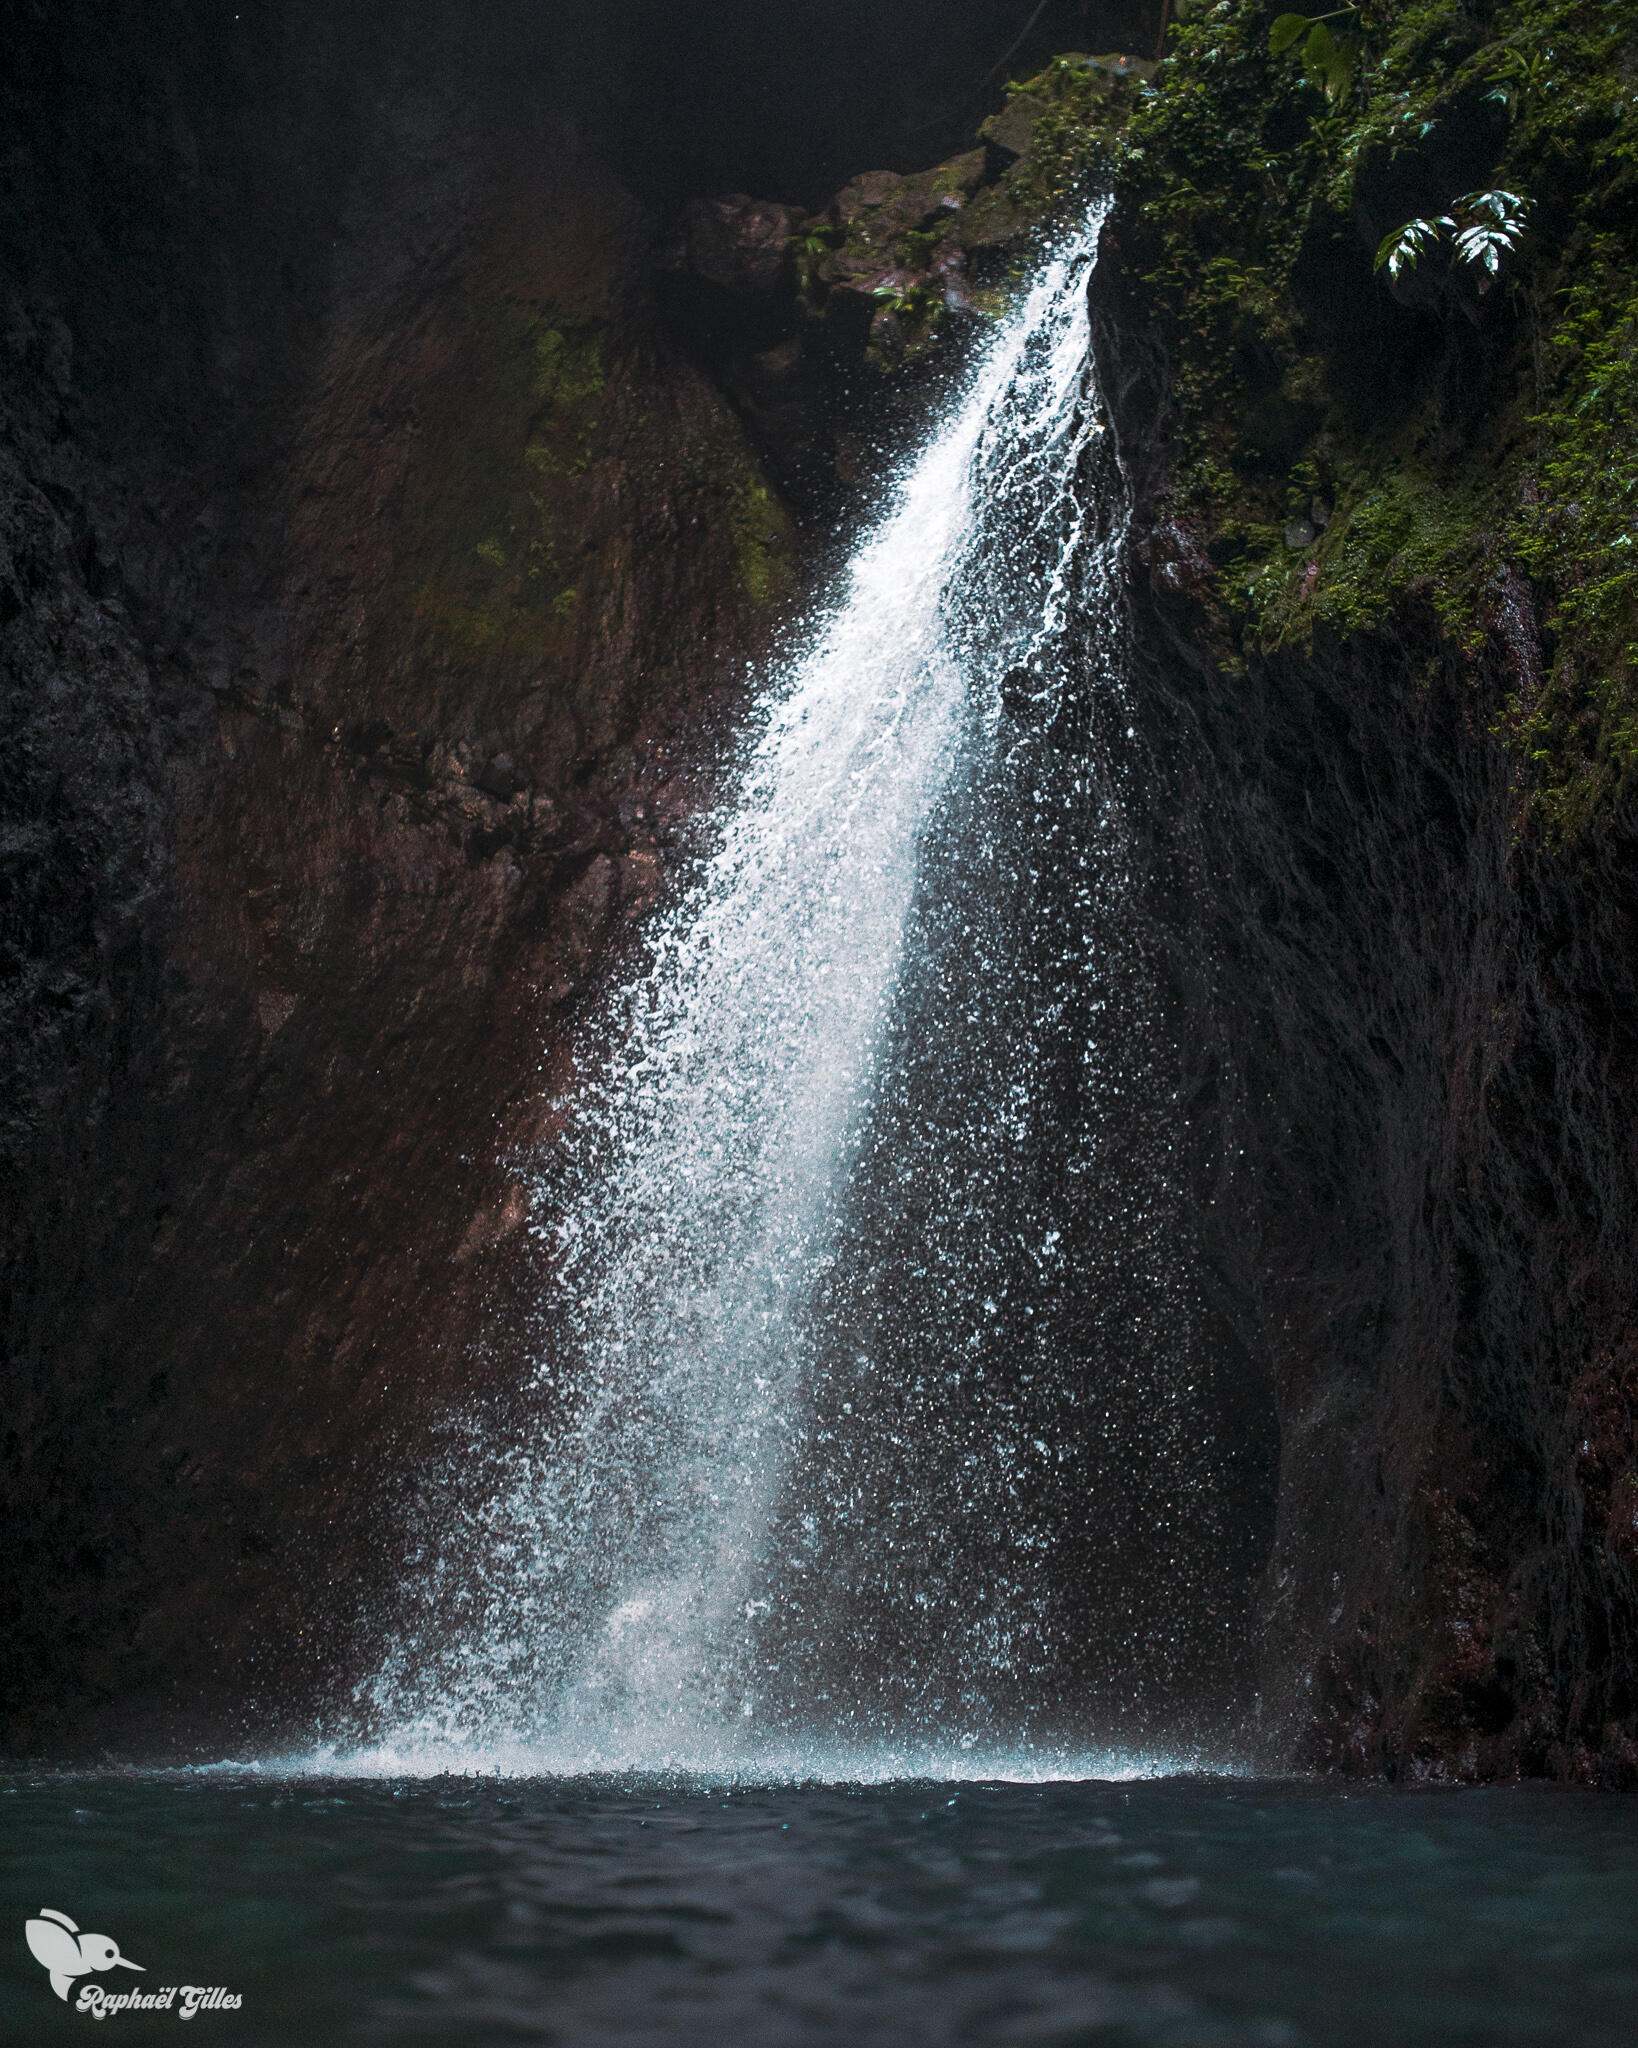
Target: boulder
{"type": "Point", "coordinates": [1007, 134]}
{"type": "Point", "coordinates": [737, 243]}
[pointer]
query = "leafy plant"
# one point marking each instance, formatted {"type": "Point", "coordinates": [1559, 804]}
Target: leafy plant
{"type": "Point", "coordinates": [910, 302]}
{"type": "Point", "coordinates": [1404, 247]}
{"type": "Point", "coordinates": [1494, 222]}
{"type": "Point", "coordinates": [1328, 60]}
{"type": "Point", "coordinates": [1575, 532]}
{"type": "Point", "coordinates": [1520, 74]}
{"type": "Point", "coordinates": [1484, 228]}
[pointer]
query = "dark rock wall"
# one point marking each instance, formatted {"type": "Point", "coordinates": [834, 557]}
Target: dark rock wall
{"type": "Point", "coordinates": [368, 545]}
{"type": "Point", "coordinates": [1411, 1022]}
{"type": "Point", "coordinates": [791, 102]}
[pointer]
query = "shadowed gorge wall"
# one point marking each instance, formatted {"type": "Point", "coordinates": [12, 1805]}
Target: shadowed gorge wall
{"type": "Point", "coordinates": [388, 513]}
{"type": "Point", "coordinates": [1413, 1054]}
{"type": "Point", "coordinates": [367, 543]}
{"type": "Point", "coordinates": [1386, 648]}
{"type": "Point", "coordinates": [790, 104]}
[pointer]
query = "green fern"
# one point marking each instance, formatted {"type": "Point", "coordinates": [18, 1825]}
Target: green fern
{"type": "Point", "coordinates": [1484, 227]}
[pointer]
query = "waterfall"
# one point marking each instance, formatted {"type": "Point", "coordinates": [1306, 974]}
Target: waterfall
{"type": "Point", "coordinates": [665, 1580]}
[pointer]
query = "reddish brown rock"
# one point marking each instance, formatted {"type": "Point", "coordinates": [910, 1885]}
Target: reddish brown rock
{"type": "Point", "coordinates": [327, 808]}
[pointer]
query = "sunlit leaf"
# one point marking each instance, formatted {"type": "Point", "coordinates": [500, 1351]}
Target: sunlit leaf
{"type": "Point", "coordinates": [1327, 62]}
{"type": "Point", "coordinates": [1401, 249]}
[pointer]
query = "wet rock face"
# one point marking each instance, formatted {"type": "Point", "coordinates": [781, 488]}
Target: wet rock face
{"type": "Point", "coordinates": [374, 573]}
{"type": "Point", "coordinates": [1410, 1097]}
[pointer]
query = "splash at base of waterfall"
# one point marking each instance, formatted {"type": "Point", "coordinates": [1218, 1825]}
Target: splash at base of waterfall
{"type": "Point", "coordinates": [737, 1764]}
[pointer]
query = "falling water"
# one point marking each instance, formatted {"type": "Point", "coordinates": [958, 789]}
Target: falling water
{"type": "Point", "coordinates": [693, 1568]}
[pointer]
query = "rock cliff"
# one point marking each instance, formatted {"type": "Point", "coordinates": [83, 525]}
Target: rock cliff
{"type": "Point", "coordinates": [1384, 635]}
{"type": "Point", "coordinates": [388, 508]}
{"type": "Point", "coordinates": [368, 546]}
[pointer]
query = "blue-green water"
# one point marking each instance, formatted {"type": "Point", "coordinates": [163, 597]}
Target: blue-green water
{"type": "Point", "coordinates": [1175, 1912]}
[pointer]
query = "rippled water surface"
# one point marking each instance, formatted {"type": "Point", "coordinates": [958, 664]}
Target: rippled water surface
{"type": "Point", "coordinates": [1168, 1911]}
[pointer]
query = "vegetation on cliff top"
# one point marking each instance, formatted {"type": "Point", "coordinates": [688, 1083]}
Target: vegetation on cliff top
{"type": "Point", "coordinates": [1341, 441]}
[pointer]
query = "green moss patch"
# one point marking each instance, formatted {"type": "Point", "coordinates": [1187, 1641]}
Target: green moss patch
{"type": "Point", "coordinates": [1448, 434]}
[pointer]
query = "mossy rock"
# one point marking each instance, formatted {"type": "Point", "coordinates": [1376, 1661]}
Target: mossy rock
{"type": "Point", "coordinates": [998, 220]}
{"type": "Point", "coordinates": [893, 255]}
{"type": "Point", "coordinates": [1474, 429]}
{"type": "Point", "coordinates": [1008, 133]}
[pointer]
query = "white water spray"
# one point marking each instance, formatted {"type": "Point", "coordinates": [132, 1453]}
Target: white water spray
{"type": "Point", "coordinates": [600, 1607]}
